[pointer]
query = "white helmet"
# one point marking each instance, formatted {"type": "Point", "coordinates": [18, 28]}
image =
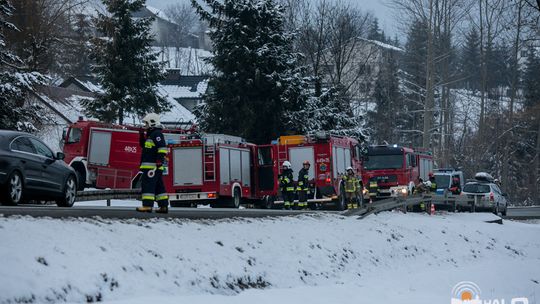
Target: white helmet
{"type": "Point", "coordinates": [287, 164]}
{"type": "Point", "coordinates": [350, 168]}
{"type": "Point", "coordinates": [151, 120]}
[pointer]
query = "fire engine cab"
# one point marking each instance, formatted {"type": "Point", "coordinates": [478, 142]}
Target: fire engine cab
{"type": "Point", "coordinates": [329, 156]}
{"type": "Point", "coordinates": [394, 170]}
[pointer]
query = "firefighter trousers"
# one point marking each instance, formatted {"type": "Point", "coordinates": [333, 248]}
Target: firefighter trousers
{"type": "Point", "coordinates": [153, 189]}
{"type": "Point", "coordinates": [302, 198]}
{"type": "Point", "coordinates": [351, 200]}
{"type": "Point", "coordinates": [288, 198]}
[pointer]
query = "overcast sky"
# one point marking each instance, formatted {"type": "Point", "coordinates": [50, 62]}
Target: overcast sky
{"type": "Point", "coordinates": [383, 13]}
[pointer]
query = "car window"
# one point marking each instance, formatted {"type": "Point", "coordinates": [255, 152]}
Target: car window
{"type": "Point", "coordinates": [23, 144]}
{"type": "Point", "coordinates": [476, 188]}
{"type": "Point", "coordinates": [496, 189]}
{"type": "Point", "coordinates": [41, 148]}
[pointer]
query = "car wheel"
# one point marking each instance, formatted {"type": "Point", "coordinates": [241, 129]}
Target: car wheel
{"type": "Point", "coordinates": [341, 204]}
{"type": "Point", "coordinates": [503, 213]}
{"type": "Point", "coordinates": [15, 188]}
{"type": "Point", "coordinates": [496, 209]}
{"type": "Point", "coordinates": [70, 193]}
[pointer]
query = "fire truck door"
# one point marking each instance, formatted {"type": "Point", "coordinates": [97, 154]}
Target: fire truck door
{"type": "Point", "coordinates": [298, 156]}
{"type": "Point", "coordinates": [265, 168]}
{"type": "Point", "coordinates": [100, 148]}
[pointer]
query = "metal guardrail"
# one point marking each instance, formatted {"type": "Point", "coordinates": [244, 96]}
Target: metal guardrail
{"type": "Point", "coordinates": [405, 202]}
{"type": "Point", "coordinates": [108, 195]}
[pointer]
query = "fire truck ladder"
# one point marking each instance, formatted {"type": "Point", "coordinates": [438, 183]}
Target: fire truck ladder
{"type": "Point", "coordinates": [282, 154]}
{"type": "Point", "coordinates": [209, 163]}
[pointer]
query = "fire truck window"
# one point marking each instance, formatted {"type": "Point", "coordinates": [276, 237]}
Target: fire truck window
{"type": "Point", "coordinates": [74, 135]}
{"type": "Point", "coordinates": [265, 156]}
{"type": "Point", "coordinates": [379, 162]}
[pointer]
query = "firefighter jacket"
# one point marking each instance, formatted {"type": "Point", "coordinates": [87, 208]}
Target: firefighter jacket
{"type": "Point", "coordinates": [351, 183]}
{"type": "Point", "coordinates": [433, 186]}
{"type": "Point", "coordinates": [154, 149]}
{"type": "Point", "coordinates": [303, 180]}
{"type": "Point", "coordinates": [286, 181]}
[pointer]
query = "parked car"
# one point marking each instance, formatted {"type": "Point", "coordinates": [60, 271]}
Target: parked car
{"type": "Point", "coordinates": [487, 194]}
{"type": "Point", "coordinates": [449, 180]}
{"type": "Point", "coordinates": [29, 170]}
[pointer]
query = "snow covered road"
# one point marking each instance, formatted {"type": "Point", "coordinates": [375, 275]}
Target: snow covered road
{"type": "Point", "coordinates": [385, 258]}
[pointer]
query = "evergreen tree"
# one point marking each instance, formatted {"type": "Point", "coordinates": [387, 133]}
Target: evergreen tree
{"type": "Point", "coordinates": [256, 87]}
{"type": "Point", "coordinates": [414, 79]}
{"type": "Point", "coordinates": [531, 80]}
{"type": "Point", "coordinates": [15, 83]}
{"type": "Point", "coordinates": [387, 117]}
{"type": "Point", "coordinates": [331, 111]}
{"type": "Point", "coordinates": [375, 33]}
{"type": "Point", "coordinates": [125, 64]}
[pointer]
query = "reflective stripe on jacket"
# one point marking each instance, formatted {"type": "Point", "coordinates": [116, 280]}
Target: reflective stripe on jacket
{"type": "Point", "coordinates": [154, 149]}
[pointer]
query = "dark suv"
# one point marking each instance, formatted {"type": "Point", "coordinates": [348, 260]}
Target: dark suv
{"type": "Point", "coordinates": [29, 170]}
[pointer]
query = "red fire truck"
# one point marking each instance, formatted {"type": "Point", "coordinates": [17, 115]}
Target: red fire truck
{"type": "Point", "coordinates": [329, 156]}
{"type": "Point", "coordinates": [222, 170]}
{"type": "Point", "coordinates": [106, 155]}
{"type": "Point", "coordinates": [394, 170]}
{"type": "Point", "coordinates": [218, 169]}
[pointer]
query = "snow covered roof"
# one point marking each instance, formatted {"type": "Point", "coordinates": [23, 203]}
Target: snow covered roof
{"type": "Point", "coordinates": [85, 83]}
{"type": "Point", "coordinates": [65, 103]}
{"type": "Point", "coordinates": [382, 45]}
{"type": "Point", "coordinates": [185, 87]}
{"type": "Point", "coordinates": [190, 61]}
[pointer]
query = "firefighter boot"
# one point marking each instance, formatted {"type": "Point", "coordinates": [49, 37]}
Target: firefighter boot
{"type": "Point", "coordinates": [144, 209]}
{"type": "Point", "coordinates": [162, 210]}
{"type": "Point", "coordinates": [287, 206]}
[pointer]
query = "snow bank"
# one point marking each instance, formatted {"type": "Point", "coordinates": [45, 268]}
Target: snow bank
{"type": "Point", "coordinates": [390, 257]}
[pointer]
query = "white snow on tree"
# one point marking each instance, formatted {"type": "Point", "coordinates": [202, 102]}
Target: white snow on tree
{"type": "Point", "coordinates": [15, 83]}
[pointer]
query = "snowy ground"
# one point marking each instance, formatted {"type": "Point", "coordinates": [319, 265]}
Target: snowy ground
{"type": "Point", "coordinates": [386, 258]}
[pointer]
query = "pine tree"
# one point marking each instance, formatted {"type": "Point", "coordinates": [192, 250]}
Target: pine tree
{"type": "Point", "coordinates": [387, 117]}
{"type": "Point", "coordinates": [256, 87]}
{"type": "Point", "coordinates": [414, 79]}
{"type": "Point", "coordinates": [375, 33]}
{"type": "Point", "coordinates": [125, 64]}
{"type": "Point", "coordinates": [15, 83]}
{"type": "Point", "coordinates": [531, 80]}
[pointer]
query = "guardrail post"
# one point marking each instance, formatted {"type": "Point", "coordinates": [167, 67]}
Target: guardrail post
{"type": "Point", "coordinates": [108, 202]}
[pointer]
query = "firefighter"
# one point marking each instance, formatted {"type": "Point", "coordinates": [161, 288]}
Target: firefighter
{"type": "Point", "coordinates": [286, 185]}
{"type": "Point", "coordinates": [154, 153]}
{"type": "Point", "coordinates": [373, 189]}
{"type": "Point", "coordinates": [352, 188]}
{"type": "Point", "coordinates": [303, 185]}
{"type": "Point", "coordinates": [421, 188]}
{"type": "Point", "coordinates": [432, 183]}
{"type": "Point", "coordinates": [456, 187]}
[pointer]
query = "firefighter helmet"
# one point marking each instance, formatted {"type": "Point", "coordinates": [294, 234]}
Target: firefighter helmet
{"type": "Point", "coordinates": [349, 168]}
{"type": "Point", "coordinates": [306, 163]}
{"type": "Point", "coordinates": [430, 174]}
{"type": "Point", "coordinates": [151, 120]}
{"type": "Point", "coordinates": [287, 164]}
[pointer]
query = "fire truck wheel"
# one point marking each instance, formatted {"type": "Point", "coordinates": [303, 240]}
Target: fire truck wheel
{"type": "Point", "coordinates": [70, 192]}
{"type": "Point", "coordinates": [235, 199]}
{"type": "Point", "coordinates": [82, 180]}
{"type": "Point", "coordinates": [341, 203]}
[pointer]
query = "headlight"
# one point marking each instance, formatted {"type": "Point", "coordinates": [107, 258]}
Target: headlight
{"type": "Point", "coordinates": [399, 191]}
